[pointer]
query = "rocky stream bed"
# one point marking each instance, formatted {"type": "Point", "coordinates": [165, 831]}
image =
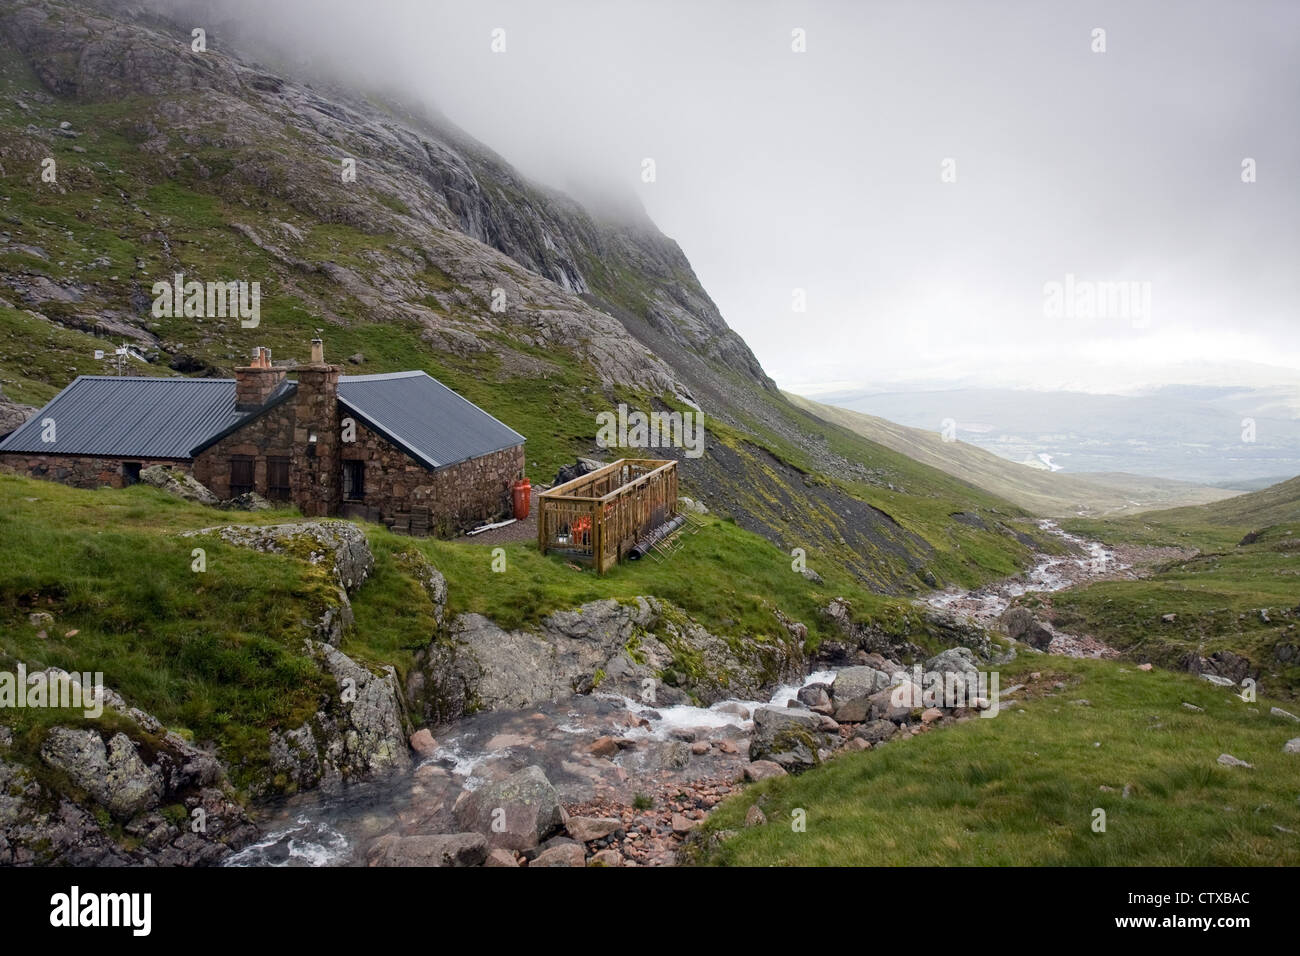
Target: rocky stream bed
{"type": "Point", "coordinates": [604, 778]}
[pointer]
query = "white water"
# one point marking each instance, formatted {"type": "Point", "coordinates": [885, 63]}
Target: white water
{"type": "Point", "coordinates": [330, 832]}
{"type": "Point", "coordinates": [306, 842]}
{"type": "Point", "coordinates": [664, 720]}
{"type": "Point", "coordinates": [1051, 572]}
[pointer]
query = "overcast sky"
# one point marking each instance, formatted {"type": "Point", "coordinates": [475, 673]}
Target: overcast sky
{"type": "Point", "coordinates": [779, 170]}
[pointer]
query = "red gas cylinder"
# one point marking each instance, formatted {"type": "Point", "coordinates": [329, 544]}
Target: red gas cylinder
{"type": "Point", "coordinates": [523, 493]}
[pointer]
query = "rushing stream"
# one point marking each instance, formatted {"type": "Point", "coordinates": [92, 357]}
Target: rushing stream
{"type": "Point", "coordinates": [1052, 572]}
{"type": "Point", "coordinates": [659, 747]}
{"type": "Point", "coordinates": [334, 829]}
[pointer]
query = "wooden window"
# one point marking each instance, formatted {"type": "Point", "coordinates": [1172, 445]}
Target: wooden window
{"type": "Point", "coordinates": [277, 479]}
{"type": "Point", "coordinates": [354, 480]}
{"type": "Point", "coordinates": [241, 475]}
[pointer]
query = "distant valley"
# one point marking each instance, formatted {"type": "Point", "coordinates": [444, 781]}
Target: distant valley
{"type": "Point", "coordinates": [1039, 489]}
{"type": "Point", "coordinates": [1241, 439]}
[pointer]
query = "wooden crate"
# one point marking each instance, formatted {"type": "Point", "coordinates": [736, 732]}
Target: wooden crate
{"type": "Point", "coordinates": [597, 517]}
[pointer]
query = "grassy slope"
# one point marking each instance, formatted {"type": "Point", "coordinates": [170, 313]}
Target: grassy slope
{"type": "Point", "coordinates": [218, 654]}
{"type": "Point", "coordinates": [1218, 596]}
{"type": "Point", "coordinates": [1020, 788]}
{"type": "Point", "coordinates": [112, 198]}
{"type": "Point", "coordinates": [1042, 492]}
{"type": "Point", "coordinates": [1213, 527]}
{"type": "Point", "coordinates": [919, 498]}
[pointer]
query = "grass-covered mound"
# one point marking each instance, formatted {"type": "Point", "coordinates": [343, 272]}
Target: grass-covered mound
{"type": "Point", "coordinates": [1021, 788]}
{"type": "Point", "coordinates": [218, 655]}
{"type": "Point", "coordinates": [1241, 594]}
{"type": "Point", "coordinates": [215, 654]}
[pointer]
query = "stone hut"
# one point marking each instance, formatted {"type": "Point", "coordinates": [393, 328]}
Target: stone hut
{"type": "Point", "coordinates": [400, 448]}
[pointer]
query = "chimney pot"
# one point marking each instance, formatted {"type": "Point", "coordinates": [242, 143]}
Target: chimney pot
{"type": "Point", "coordinates": [317, 352]}
{"type": "Point", "coordinates": [255, 382]}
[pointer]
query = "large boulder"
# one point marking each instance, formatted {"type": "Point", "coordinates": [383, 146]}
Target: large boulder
{"type": "Point", "coordinates": [568, 854]}
{"type": "Point", "coordinates": [516, 813]}
{"type": "Point", "coordinates": [1021, 625]}
{"type": "Point", "coordinates": [789, 737]}
{"type": "Point", "coordinates": [816, 697]}
{"type": "Point", "coordinates": [621, 648]}
{"type": "Point", "coordinates": [876, 731]}
{"type": "Point", "coordinates": [948, 629]}
{"type": "Point", "coordinates": [852, 690]}
{"type": "Point", "coordinates": [359, 733]}
{"type": "Point", "coordinates": [854, 682]}
{"type": "Point", "coordinates": [960, 671]}
{"type": "Point", "coordinates": [894, 703]}
{"type": "Point", "coordinates": [955, 660]}
{"type": "Point", "coordinates": [111, 772]}
{"type": "Point", "coordinates": [444, 849]}
{"type": "Point", "coordinates": [177, 482]}
{"type": "Point", "coordinates": [589, 829]}
{"type": "Point", "coordinates": [169, 801]}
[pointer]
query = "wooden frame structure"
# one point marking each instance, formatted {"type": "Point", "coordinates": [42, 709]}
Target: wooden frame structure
{"type": "Point", "coordinates": [598, 517]}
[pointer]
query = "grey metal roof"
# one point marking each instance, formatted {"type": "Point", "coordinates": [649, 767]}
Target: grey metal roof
{"type": "Point", "coordinates": [129, 417]}
{"type": "Point", "coordinates": [242, 418]}
{"type": "Point", "coordinates": [425, 417]}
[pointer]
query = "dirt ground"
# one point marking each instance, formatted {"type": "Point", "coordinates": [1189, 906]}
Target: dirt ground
{"type": "Point", "coordinates": [525, 530]}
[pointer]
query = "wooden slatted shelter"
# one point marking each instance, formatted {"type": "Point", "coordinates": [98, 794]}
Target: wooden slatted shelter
{"type": "Point", "coordinates": [598, 517]}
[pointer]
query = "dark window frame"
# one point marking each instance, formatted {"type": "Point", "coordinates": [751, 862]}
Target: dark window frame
{"type": "Point", "coordinates": [238, 488]}
{"type": "Point", "coordinates": [274, 491]}
{"type": "Point", "coordinates": [354, 479]}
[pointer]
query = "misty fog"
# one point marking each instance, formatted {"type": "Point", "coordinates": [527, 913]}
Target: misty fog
{"type": "Point", "coordinates": [818, 174]}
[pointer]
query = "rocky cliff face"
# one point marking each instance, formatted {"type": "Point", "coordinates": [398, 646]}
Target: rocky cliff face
{"type": "Point", "coordinates": [615, 648]}
{"type": "Point", "coordinates": [123, 792]}
{"type": "Point", "coordinates": [461, 210]}
{"type": "Point", "coordinates": [437, 255]}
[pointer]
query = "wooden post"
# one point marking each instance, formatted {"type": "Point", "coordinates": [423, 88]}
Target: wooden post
{"type": "Point", "coordinates": [623, 501]}
{"type": "Point", "coordinates": [541, 524]}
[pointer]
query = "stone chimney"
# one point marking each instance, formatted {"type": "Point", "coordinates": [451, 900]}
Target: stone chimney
{"type": "Point", "coordinates": [255, 382]}
{"type": "Point", "coordinates": [316, 435]}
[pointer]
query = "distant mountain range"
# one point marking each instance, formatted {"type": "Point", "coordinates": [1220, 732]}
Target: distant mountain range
{"type": "Point", "coordinates": [1031, 486]}
{"type": "Point", "coordinates": [1237, 438]}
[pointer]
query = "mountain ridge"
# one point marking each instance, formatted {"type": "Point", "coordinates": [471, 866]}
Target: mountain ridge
{"type": "Point", "coordinates": [205, 164]}
{"type": "Point", "coordinates": [1050, 493]}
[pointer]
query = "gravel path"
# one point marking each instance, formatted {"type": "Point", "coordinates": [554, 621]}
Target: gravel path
{"type": "Point", "coordinates": [525, 530]}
